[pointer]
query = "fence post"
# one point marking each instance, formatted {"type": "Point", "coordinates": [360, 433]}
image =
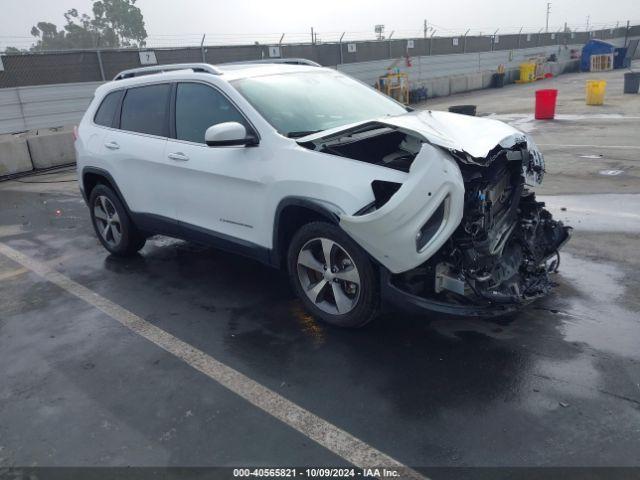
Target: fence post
{"type": "Point", "coordinates": [464, 41]}
{"type": "Point", "coordinates": [204, 57]}
{"type": "Point", "coordinates": [99, 55]}
{"type": "Point", "coordinates": [519, 35]}
{"type": "Point", "coordinates": [431, 42]}
{"type": "Point", "coordinates": [340, 43]}
{"type": "Point", "coordinates": [626, 34]}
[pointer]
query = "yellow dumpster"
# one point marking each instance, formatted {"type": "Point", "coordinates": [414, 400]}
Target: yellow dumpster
{"type": "Point", "coordinates": [527, 72]}
{"type": "Point", "coordinates": [595, 92]}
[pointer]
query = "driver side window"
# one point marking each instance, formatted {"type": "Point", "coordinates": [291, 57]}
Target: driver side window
{"type": "Point", "coordinates": [198, 107]}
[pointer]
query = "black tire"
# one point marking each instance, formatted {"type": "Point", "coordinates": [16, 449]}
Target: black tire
{"type": "Point", "coordinates": [364, 297]}
{"type": "Point", "coordinates": [123, 238]}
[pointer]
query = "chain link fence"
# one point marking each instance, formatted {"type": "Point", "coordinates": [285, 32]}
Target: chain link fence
{"type": "Point", "coordinates": [99, 65]}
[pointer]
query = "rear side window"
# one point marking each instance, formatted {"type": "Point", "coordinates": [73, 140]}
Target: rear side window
{"type": "Point", "coordinates": [144, 110]}
{"type": "Point", "coordinates": [198, 107]}
{"type": "Point", "coordinates": [107, 110]}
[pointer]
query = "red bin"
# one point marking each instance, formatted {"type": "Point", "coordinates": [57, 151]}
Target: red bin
{"type": "Point", "coordinates": [546, 104]}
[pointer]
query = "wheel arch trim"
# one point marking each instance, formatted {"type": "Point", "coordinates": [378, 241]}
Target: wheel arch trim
{"type": "Point", "coordinates": [103, 173]}
{"type": "Point", "coordinates": [327, 210]}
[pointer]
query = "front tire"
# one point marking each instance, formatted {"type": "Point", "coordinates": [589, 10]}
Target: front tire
{"type": "Point", "coordinates": [112, 224]}
{"type": "Point", "coordinates": [333, 276]}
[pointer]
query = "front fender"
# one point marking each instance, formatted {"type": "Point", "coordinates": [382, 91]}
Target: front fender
{"type": "Point", "coordinates": [389, 233]}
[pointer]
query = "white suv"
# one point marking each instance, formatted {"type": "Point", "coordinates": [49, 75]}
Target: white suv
{"type": "Point", "coordinates": [363, 201]}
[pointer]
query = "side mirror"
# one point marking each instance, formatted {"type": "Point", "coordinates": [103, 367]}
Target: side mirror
{"type": "Point", "coordinates": [228, 134]}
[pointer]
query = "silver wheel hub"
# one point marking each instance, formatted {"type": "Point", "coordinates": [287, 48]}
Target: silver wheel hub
{"type": "Point", "coordinates": [328, 276]}
{"type": "Point", "coordinates": [107, 221]}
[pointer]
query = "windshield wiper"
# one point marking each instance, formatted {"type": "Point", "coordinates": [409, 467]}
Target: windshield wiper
{"type": "Point", "coordinates": [302, 133]}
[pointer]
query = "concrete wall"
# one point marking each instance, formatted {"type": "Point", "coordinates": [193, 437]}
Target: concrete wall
{"type": "Point", "coordinates": [28, 108]}
{"type": "Point", "coordinates": [426, 68]}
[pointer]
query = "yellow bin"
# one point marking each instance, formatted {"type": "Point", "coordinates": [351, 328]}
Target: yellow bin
{"type": "Point", "coordinates": [595, 92]}
{"type": "Point", "coordinates": [527, 72]}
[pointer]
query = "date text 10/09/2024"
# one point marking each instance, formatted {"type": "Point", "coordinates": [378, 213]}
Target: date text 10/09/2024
{"type": "Point", "coordinates": [315, 473]}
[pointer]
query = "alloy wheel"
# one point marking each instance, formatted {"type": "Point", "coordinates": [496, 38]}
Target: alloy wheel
{"type": "Point", "coordinates": [328, 276]}
{"type": "Point", "coordinates": [107, 221]}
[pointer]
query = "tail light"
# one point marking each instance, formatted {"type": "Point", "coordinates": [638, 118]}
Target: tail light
{"type": "Point", "coordinates": [75, 133]}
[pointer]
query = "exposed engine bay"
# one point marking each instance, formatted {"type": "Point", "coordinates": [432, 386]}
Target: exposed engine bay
{"type": "Point", "coordinates": [506, 245]}
{"type": "Point", "coordinates": [381, 146]}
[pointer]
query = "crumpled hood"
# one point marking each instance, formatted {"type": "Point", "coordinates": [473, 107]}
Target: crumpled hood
{"type": "Point", "coordinates": [472, 135]}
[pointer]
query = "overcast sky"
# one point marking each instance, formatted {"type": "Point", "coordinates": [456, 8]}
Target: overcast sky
{"type": "Point", "coordinates": [178, 22]}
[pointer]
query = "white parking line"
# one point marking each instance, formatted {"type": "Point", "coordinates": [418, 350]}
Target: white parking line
{"type": "Point", "coordinates": [340, 442]}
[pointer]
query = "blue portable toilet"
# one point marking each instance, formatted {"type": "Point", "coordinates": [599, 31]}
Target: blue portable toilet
{"type": "Point", "coordinates": [594, 47]}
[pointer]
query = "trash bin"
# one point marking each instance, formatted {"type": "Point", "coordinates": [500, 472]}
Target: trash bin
{"type": "Point", "coordinates": [527, 72]}
{"type": "Point", "coordinates": [498, 80]}
{"type": "Point", "coordinates": [464, 109]}
{"type": "Point", "coordinates": [546, 104]}
{"type": "Point", "coordinates": [595, 92]}
{"type": "Point", "coordinates": [631, 82]}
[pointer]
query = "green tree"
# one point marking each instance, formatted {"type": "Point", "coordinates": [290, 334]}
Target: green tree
{"type": "Point", "coordinates": [114, 24]}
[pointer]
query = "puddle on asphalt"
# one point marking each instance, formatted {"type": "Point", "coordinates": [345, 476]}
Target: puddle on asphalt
{"type": "Point", "coordinates": [597, 212]}
{"type": "Point", "coordinates": [598, 316]}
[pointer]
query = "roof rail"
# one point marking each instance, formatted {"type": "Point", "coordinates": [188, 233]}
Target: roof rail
{"type": "Point", "coordinates": [289, 61]}
{"type": "Point", "coordinates": [196, 67]}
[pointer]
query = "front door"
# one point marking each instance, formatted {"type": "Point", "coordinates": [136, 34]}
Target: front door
{"type": "Point", "coordinates": [220, 189]}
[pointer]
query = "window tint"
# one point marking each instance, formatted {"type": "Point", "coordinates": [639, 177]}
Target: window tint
{"type": "Point", "coordinates": [144, 110]}
{"type": "Point", "coordinates": [198, 107]}
{"type": "Point", "coordinates": [106, 111]}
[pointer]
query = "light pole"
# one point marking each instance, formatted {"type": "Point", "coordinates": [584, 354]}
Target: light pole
{"type": "Point", "coordinates": [548, 12]}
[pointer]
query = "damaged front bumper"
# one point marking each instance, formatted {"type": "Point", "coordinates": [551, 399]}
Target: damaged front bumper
{"type": "Point", "coordinates": [493, 246]}
{"type": "Point", "coordinates": [503, 252]}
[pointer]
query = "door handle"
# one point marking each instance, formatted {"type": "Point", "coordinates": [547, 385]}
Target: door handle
{"type": "Point", "coordinates": [178, 156]}
{"type": "Point", "coordinates": [112, 145]}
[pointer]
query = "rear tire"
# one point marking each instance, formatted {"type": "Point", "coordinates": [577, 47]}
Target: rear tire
{"type": "Point", "coordinates": [333, 277]}
{"type": "Point", "coordinates": [112, 223]}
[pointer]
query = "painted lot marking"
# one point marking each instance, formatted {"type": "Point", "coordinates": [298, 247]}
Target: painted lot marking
{"type": "Point", "coordinates": [338, 441]}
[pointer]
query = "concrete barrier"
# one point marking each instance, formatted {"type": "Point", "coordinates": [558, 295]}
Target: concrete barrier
{"type": "Point", "coordinates": [458, 84]}
{"type": "Point", "coordinates": [438, 87]}
{"type": "Point", "coordinates": [474, 81]}
{"type": "Point", "coordinates": [487, 79]}
{"type": "Point", "coordinates": [51, 149]}
{"type": "Point", "coordinates": [14, 156]}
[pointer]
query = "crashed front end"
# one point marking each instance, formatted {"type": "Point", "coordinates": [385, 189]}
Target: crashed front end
{"type": "Point", "coordinates": [504, 250]}
{"type": "Point", "coordinates": [463, 233]}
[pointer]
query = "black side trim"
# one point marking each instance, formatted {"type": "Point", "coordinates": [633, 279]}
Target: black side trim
{"type": "Point", "coordinates": [316, 206]}
{"type": "Point", "coordinates": [158, 224]}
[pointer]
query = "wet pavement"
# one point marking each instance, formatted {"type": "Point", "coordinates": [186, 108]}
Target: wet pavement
{"type": "Point", "coordinates": [556, 385]}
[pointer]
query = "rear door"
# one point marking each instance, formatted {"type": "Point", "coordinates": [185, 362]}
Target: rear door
{"type": "Point", "coordinates": [135, 151]}
{"type": "Point", "coordinates": [220, 189]}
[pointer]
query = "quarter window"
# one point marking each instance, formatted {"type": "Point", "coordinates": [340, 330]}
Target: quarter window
{"type": "Point", "coordinates": [198, 107]}
{"type": "Point", "coordinates": [144, 110]}
{"type": "Point", "coordinates": [107, 110]}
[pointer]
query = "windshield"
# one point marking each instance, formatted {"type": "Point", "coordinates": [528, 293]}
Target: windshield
{"type": "Point", "coordinates": [298, 104]}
